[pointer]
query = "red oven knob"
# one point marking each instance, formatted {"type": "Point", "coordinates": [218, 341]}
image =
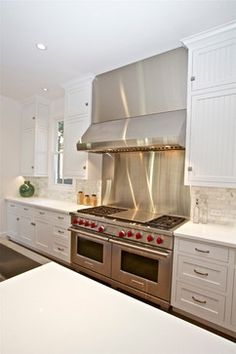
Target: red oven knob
{"type": "Point", "coordinates": [93, 224]}
{"type": "Point", "coordinates": [101, 228]}
{"type": "Point", "coordinates": [121, 233]}
{"type": "Point", "coordinates": [87, 223]}
{"type": "Point", "coordinates": [75, 221]}
{"type": "Point", "coordinates": [159, 240]}
{"type": "Point", "coordinates": [138, 236]}
{"type": "Point", "coordinates": [150, 238]}
{"type": "Point", "coordinates": [81, 222]}
{"type": "Point", "coordinates": [130, 233]}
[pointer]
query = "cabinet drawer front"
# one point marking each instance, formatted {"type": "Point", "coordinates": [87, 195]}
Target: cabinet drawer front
{"type": "Point", "coordinates": [204, 250]}
{"type": "Point", "coordinates": [42, 214]}
{"type": "Point", "coordinates": [12, 207]}
{"type": "Point", "coordinates": [61, 251]}
{"type": "Point", "coordinates": [202, 273]}
{"type": "Point", "coordinates": [26, 210]}
{"type": "Point", "coordinates": [61, 235]}
{"type": "Point", "coordinates": [200, 303]}
{"type": "Point", "coordinates": [61, 219]}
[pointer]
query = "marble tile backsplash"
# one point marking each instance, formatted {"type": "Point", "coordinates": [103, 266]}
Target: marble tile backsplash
{"type": "Point", "coordinates": [221, 203]}
{"type": "Point", "coordinates": [43, 190]}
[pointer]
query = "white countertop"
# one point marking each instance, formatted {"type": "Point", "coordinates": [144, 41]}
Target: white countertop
{"type": "Point", "coordinates": [224, 235]}
{"type": "Point", "coordinates": [53, 310]}
{"type": "Point", "coordinates": [51, 204]}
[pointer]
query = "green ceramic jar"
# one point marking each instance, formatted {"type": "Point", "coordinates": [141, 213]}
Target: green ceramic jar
{"type": "Point", "coordinates": [26, 189]}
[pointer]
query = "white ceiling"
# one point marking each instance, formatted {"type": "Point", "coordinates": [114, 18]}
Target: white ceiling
{"type": "Point", "coordinates": [92, 37]}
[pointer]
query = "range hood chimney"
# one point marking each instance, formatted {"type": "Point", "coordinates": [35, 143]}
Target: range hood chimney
{"type": "Point", "coordinates": [140, 107]}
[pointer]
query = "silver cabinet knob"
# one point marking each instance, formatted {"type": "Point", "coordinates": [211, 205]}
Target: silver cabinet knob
{"type": "Point", "coordinates": [192, 78]}
{"type": "Point", "coordinates": [190, 168]}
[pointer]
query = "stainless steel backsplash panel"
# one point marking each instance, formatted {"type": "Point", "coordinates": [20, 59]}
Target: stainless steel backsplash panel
{"type": "Point", "coordinates": [152, 181]}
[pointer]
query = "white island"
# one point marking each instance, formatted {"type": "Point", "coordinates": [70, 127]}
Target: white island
{"type": "Point", "coordinates": [53, 310]}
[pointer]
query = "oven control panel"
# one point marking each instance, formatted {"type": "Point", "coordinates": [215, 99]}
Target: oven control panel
{"type": "Point", "coordinates": [123, 231]}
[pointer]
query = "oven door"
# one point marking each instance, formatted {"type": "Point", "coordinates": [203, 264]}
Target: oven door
{"type": "Point", "coordinates": [148, 270]}
{"type": "Point", "coordinates": [91, 251]}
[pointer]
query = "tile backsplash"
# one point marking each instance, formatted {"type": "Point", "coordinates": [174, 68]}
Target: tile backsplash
{"type": "Point", "coordinates": [43, 190]}
{"type": "Point", "coordinates": [221, 203]}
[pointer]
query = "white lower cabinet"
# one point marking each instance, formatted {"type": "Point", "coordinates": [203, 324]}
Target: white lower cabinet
{"type": "Point", "coordinates": [233, 312]}
{"type": "Point", "coordinates": [39, 229]}
{"type": "Point", "coordinates": [202, 282]}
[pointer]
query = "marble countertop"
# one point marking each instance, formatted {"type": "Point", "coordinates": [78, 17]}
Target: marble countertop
{"type": "Point", "coordinates": [54, 310]}
{"type": "Point", "coordinates": [51, 204]}
{"type": "Point", "coordinates": [224, 235]}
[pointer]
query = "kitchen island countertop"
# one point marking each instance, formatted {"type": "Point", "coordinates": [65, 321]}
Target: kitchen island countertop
{"type": "Point", "coordinates": [53, 310]}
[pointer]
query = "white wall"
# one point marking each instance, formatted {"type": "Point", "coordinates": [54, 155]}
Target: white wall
{"type": "Point", "coordinates": [9, 153]}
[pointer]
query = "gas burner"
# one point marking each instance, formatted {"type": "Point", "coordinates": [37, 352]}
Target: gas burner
{"type": "Point", "coordinates": [166, 222]}
{"type": "Point", "coordinates": [102, 210]}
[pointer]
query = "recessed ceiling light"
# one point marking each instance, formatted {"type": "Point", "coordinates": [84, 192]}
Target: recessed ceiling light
{"type": "Point", "coordinates": [41, 46]}
{"type": "Point", "coordinates": [45, 89]}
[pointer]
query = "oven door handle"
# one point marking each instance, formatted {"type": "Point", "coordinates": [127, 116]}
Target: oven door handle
{"type": "Point", "coordinates": [83, 233]}
{"type": "Point", "coordinates": [139, 248]}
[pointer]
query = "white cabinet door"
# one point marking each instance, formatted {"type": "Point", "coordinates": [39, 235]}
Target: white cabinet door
{"type": "Point", "coordinates": [13, 226]}
{"type": "Point", "coordinates": [27, 152]}
{"type": "Point", "coordinates": [34, 137]}
{"type": "Point", "coordinates": [26, 230]}
{"type": "Point", "coordinates": [211, 146]}
{"type": "Point", "coordinates": [43, 235]}
{"type": "Point", "coordinates": [233, 313]}
{"type": "Point", "coordinates": [78, 100]}
{"type": "Point", "coordinates": [214, 65]}
{"type": "Point", "coordinates": [75, 162]}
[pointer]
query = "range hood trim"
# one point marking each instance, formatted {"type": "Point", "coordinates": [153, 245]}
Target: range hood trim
{"type": "Point", "coordinates": [156, 132]}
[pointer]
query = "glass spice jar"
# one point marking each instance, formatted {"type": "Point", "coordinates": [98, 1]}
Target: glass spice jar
{"type": "Point", "coordinates": [93, 200]}
{"type": "Point", "coordinates": [86, 199]}
{"type": "Point", "coordinates": [80, 197]}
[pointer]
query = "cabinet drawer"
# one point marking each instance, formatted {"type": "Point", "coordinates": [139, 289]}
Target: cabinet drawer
{"type": "Point", "coordinates": [61, 235]}
{"type": "Point", "coordinates": [201, 273]}
{"type": "Point", "coordinates": [25, 210]}
{"type": "Point", "coordinates": [61, 219]}
{"type": "Point", "coordinates": [42, 214]}
{"type": "Point", "coordinates": [61, 251]}
{"type": "Point", "coordinates": [204, 250]}
{"type": "Point", "coordinates": [12, 207]}
{"type": "Point", "coordinates": [200, 303]}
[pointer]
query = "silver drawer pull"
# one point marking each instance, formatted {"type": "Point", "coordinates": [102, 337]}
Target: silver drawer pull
{"type": "Point", "coordinates": [60, 232]}
{"type": "Point", "coordinates": [60, 217]}
{"type": "Point", "coordinates": [41, 213]}
{"type": "Point", "coordinates": [197, 272]}
{"type": "Point", "coordinates": [17, 219]}
{"type": "Point", "coordinates": [26, 209]}
{"type": "Point", "coordinates": [60, 249]}
{"type": "Point", "coordinates": [137, 282]}
{"type": "Point", "coordinates": [199, 301]}
{"type": "Point", "coordinates": [12, 205]}
{"type": "Point", "coordinates": [32, 223]}
{"type": "Point", "coordinates": [202, 251]}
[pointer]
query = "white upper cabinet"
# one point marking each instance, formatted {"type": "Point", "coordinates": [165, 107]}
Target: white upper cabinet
{"type": "Point", "coordinates": [34, 137]}
{"type": "Point", "coordinates": [211, 123]}
{"type": "Point", "coordinates": [78, 102]}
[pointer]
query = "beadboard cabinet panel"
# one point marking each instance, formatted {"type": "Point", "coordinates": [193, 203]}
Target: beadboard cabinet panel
{"type": "Point", "coordinates": [212, 147]}
{"type": "Point", "coordinates": [214, 65]}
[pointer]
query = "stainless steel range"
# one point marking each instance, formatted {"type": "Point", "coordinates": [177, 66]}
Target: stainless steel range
{"type": "Point", "coordinates": [129, 249]}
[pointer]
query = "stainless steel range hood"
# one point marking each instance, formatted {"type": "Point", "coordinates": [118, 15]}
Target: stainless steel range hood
{"type": "Point", "coordinates": [163, 131]}
{"type": "Point", "coordinates": [139, 107]}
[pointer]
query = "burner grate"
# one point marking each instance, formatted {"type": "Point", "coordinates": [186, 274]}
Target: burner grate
{"type": "Point", "coordinates": [166, 222]}
{"type": "Point", "coordinates": [101, 210]}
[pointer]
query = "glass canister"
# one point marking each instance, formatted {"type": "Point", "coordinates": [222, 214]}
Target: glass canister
{"type": "Point", "coordinates": [86, 199]}
{"type": "Point", "coordinates": [26, 189]}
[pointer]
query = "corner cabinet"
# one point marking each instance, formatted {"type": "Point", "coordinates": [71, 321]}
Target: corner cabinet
{"type": "Point", "coordinates": [78, 102]}
{"type": "Point", "coordinates": [34, 137]}
{"type": "Point", "coordinates": [211, 124]}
